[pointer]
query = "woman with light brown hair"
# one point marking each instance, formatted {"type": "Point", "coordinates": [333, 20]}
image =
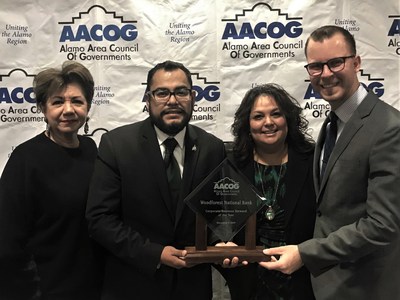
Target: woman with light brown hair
{"type": "Point", "coordinates": [45, 250]}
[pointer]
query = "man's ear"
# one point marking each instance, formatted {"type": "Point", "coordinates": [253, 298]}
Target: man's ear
{"type": "Point", "coordinates": [193, 97]}
{"type": "Point", "coordinates": [357, 63]}
{"type": "Point", "coordinates": [147, 98]}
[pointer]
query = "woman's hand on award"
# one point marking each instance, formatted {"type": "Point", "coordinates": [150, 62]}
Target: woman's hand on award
{"type": "Point", "coordinates": [231, 262]}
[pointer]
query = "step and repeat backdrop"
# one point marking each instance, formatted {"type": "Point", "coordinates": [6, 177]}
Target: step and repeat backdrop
{"type": "Point", "coordinates": [229, 46]}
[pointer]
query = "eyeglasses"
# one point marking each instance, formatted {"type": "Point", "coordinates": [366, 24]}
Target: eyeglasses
{"type": "Point", "coordinates": [163, 95]}
{"type": "Point", "coordinates": [335, 65]}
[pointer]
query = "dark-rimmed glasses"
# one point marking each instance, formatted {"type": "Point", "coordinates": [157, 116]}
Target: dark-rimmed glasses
{"type": "Point", "coordinates": [335, 65]}
{"type": "Point", "coordinates": [163, 95]}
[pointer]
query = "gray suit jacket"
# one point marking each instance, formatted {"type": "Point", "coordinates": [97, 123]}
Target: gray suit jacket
{"type": "Point", "coordinates": [355, 252]}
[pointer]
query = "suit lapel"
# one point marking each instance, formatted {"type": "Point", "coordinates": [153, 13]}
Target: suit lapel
{"type": "Point", "coordinates": [349, 131]}
{"type": "Point", "coordinates": [317, 155]}
{"type": "Point", "coordinates": [192, 151]}
{"type": "Point", "coordinates": [152, 152]}
{"type": "Point", "coordinates": [347, 135]}
{"type": "Point", "coordinates": [297, 169]}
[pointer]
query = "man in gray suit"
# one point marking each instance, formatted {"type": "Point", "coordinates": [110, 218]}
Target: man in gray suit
{"type": "Point", "coordinates": [355, 252]}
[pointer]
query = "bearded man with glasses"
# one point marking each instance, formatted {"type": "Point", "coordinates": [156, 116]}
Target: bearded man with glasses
{"type": "Point", "coordinates": [135, 208]}
{"type": "Point", "coordinates": [355, 250]}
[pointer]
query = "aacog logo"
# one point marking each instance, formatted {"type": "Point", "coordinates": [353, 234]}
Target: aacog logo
{"type": "Point", "coordinates": [110, 40]}
{"type": "Point", "coordinates": [265, 33]}
{"type": "Point", "coordinates": [394, 31]}
{"type": "Point", "coordinates": [17, 98]}
{"type": "Point", "coordinates": [209, 92]}
{"type": "Point", "coordinates": [321, 110]}
{"type": "Point", "coordinates": [16, 94]}
{"type": "Point", "coordinates": [226, 186]}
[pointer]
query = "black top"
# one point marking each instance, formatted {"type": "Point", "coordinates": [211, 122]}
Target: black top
{"type": "Point", "coordinates": [293, 223]}
{"type": "Point", "coordinates": [44, 243]}
{"type": "Point", "coordinates": [270, 180]}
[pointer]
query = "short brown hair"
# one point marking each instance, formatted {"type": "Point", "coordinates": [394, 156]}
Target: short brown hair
{"type": "Point", "coordinates": [50, 80]}
{"type": "Point", "coordinates": [326, 32]}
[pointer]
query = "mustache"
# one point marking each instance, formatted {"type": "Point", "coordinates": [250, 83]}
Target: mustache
{"type": "Point", "coordinates": [173, 110]}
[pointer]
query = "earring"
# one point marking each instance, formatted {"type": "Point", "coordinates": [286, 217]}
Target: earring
{"type": "Point", "coordinates": [86, 127]}
{"type": "Point", "coordinates": [47, 127]}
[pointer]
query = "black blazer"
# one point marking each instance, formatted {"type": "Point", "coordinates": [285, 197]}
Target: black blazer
{"type": "Point", "coordinates": [300, 206]}
{"type": "Point", "coordinates": [130, 213]}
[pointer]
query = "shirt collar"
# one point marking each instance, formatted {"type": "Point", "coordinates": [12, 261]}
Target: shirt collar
{"type": "Point", "coordinates": [346, 110]}
{"type": "Point", "coordinates": [162, 136]}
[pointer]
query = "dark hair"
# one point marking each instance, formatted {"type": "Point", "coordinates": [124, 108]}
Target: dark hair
{"type": "Point", "coordinates": [328, 31]}
{"type": "Point", "coordinates": [49, 81]}
{"type": "Point", "coordinates": [297, 136]}
{"type": "Point", "coordinates": [168, 66]}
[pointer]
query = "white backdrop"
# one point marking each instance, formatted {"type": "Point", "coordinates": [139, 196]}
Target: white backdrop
{"type": "Point", "coordinates": [229, 46]}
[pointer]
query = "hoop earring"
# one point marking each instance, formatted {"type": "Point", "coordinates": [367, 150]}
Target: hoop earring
{"type": "Point", "coordinates": [86, 127]}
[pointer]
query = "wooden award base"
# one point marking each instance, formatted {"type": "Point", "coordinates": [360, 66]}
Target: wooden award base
{"type": "Point", "coordinates": [202, 253]}
{"type": "Point", "coordinates": [218, 254]}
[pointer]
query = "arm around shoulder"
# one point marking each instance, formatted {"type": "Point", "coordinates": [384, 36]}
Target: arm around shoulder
{"type": "Point", "coordinates": [105, 218]}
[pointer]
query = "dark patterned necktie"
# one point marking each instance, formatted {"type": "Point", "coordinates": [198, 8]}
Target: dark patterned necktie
{"type": "Point", "coordinates": [173, 172]}
{"type": "Point", "coordinates": [330, 140]}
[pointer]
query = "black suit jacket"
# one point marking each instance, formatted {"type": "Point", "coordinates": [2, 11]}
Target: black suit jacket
{"type": "Point", "coordinates": [299, 204]}
{"type": "Point", "coordinates": [130, 213]}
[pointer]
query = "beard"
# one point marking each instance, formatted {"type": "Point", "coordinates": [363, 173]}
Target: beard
{"type": "Point", "coordinates": [174, 127]}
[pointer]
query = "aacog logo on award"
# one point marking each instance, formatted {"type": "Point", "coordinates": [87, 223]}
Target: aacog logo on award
{"type": "Point", "coordinates": [226, 186]}
{"type": "Point", "coordinates": [225, 201]}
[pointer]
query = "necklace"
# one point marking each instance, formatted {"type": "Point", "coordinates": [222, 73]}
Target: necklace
{"type": "Point", "coordinates": [270, 212]}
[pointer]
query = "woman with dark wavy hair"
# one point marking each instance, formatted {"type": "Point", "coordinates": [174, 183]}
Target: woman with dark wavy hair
{"type": "Point", "coordinates": [297, 125]}
{"type": "Point", "coordinates": [272, 148]}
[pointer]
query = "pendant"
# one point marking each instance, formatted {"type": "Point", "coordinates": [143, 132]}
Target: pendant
{"type": "Point", "coordinates": [270, 213]}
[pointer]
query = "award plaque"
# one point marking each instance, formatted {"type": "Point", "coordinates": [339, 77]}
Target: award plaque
{"type": "Point", "coordinates": [225, 201]}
